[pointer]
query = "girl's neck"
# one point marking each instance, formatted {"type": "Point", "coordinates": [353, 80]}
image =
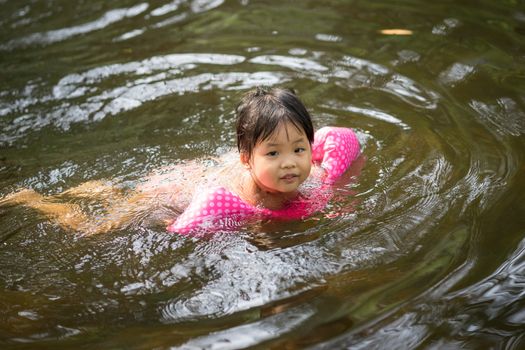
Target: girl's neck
{"type": "Point", "coordinates": [251, 193]}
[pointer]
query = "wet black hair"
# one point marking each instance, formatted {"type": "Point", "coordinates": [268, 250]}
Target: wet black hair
{"type": "Point", "coordinates": [261, 111]}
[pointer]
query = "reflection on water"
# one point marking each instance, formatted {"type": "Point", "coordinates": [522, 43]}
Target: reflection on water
{"type": "Point", "coordinates": [53, 36]}
{"type": "Point", "coordinates": [172, 74]}
{"type": "Point", "coordinates": [424, 248]}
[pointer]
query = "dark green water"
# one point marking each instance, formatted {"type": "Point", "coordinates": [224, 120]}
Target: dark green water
{"type": "Point", "coordinates": [428, 250]}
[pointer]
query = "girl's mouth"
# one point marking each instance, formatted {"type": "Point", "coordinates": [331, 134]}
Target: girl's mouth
{"type": "Point", "coordinates": [289, 177]}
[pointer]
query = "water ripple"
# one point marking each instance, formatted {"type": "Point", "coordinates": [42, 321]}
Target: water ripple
{"type": "Point", "coordinates": [166, 8]}
{"type": "Point", "coordinates": [458, 72]}
{"type": "Point", "coordinates": [95, 107]}
{"type": "Point", "coordinates": [505, 116]}
{"type": "Point", "coordinates": [295, 63]}
{"type": "Point", "coordinates": [396, 253]}
{"type": "Point", "coordinates": [446, 27]}
{"type": "Point", "coordinates": [466, 314]}
{"type": "Point", "coordinates": [359, 72]}
{"type": "Point", "coordinates": [372, 113]}
{"type": "Point", "coordinates": [184, 61]}
{"type": "Point", "coordinates": [253, 333]}
{"type": "Point", "coordinates": [57, 35]}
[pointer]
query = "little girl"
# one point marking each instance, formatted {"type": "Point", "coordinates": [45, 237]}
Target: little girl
{"type": "Point", "coordinates": [278, 151]}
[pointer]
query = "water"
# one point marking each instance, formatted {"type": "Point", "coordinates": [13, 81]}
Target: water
{"type": "Point", "coordinates": [427, 249]}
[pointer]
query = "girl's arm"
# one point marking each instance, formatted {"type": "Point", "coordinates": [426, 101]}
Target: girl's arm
{"type": "Point", "coordinates": [335, 149]}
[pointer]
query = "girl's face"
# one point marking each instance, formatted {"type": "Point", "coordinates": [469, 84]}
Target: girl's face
{"type": "Point", "coordinates": [282, 162]}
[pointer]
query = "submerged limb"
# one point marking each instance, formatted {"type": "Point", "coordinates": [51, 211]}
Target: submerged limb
{"type": "Point", "coordinates": [65, 214]}
{"type": "Point", "coordinates": [20, 197]}
{"type": "Point", "coordinates": [97, 206]}
{"type": "Point", "coordinates": [69, 215]}
{"type": "Point", "coordinates": [95, 189]}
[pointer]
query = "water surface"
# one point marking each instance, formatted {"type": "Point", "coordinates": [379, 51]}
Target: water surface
{"type": "Point", "coordinates": [425, 248]}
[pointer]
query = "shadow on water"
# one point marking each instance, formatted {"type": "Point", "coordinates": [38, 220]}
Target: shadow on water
{"type": "Point", "coordinates": [423, 247]}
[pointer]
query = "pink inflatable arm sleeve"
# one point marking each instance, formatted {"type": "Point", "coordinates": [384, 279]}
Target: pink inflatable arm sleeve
{"type": "Point", "coordinates": [335, 148]}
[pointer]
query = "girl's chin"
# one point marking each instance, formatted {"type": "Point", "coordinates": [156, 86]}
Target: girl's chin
{"type": "Point", "coordinates": [282, 189]}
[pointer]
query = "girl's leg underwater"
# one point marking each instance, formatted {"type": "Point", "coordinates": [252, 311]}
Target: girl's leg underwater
{"type": "Point", "coordinates": [65, 214]}
{"type": "Point", "coordinates": [71, 216]}
{"type": "Point", "coordinates": [95, 189]}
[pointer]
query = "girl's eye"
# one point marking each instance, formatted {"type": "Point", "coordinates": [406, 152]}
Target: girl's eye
{"type": "Point", "coordinates": [299, 150]}
{"type": "Point", "coordinates": [272, 153]}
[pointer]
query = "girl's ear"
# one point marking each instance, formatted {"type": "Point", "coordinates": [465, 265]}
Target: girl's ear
{"type": "Point", "coordinates": [245, 160]}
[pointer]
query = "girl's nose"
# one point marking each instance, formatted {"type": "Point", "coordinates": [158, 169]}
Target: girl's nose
{"type": "Point", "coordinates": [288, 162]}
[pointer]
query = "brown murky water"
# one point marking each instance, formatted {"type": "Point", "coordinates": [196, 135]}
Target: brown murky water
{"type": "Point", "coordinates": [428, 249]}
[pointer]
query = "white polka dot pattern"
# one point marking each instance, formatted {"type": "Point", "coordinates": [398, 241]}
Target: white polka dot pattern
{"type": "Point", "coordinates": [209, 208]}
{"type": "Point", "coordinates": [335, 148]}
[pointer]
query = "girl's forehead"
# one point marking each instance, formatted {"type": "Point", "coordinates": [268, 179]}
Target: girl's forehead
{"type": "Point", "coordinates": [286, 130]}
